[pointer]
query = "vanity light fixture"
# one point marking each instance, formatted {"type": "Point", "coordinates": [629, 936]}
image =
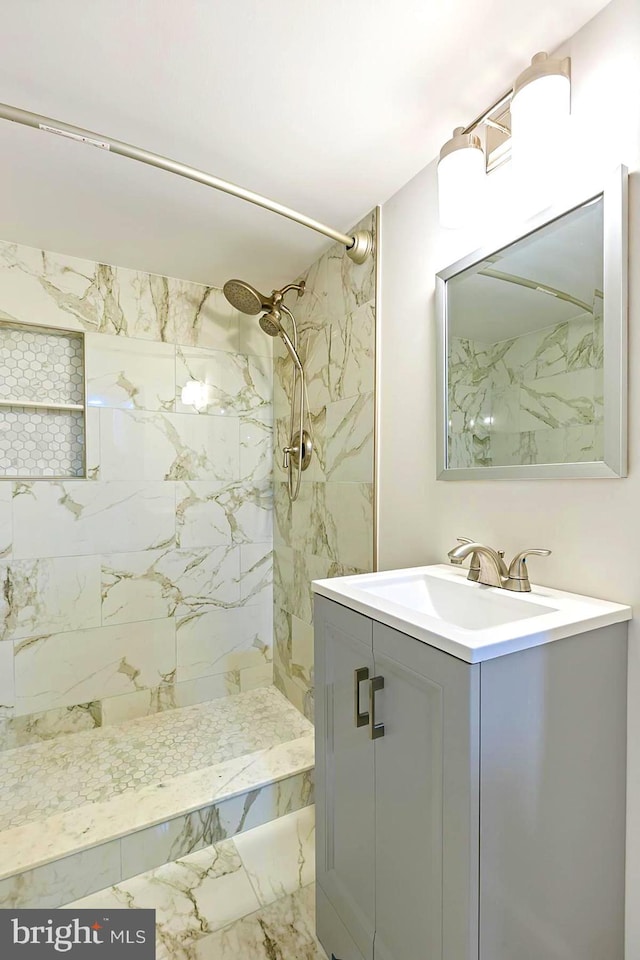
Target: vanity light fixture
{"type": "Point", "coordinates": [461, 172]}
{"type": "Point", "coordinates": [528, 118]}
{"type": "Point", "coordinates": [541, 95]}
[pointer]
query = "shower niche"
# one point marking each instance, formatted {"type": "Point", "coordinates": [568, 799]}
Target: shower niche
{"type": "Point", "coordinates": [42, 403]}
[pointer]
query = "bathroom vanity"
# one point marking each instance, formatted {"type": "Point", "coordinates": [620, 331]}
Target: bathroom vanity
{"type": "Point", "coordinates": [470, 770]}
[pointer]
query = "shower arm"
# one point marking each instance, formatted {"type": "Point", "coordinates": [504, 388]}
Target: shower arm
{"type": "Point", "coordinates": [359, 244]}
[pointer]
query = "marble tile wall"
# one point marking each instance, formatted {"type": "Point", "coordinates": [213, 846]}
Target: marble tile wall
{"type": "Point", "coordinates": [538, 398]}
{"type": "Point", "coordinates": [328, 531]}
{"type": "Point", "coordinates": [148, 585]}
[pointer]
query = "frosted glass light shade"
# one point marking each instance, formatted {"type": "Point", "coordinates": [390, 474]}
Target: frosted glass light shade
{"type": "Point", "coordinates": [540, 111]}
{"type": "Point", "coordinates": [461, 181]}
{"type": "Point", "coordinates": [541, 102]}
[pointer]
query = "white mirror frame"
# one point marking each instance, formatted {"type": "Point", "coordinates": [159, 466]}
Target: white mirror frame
{"type": "Point", "coordinates": [615, 242]}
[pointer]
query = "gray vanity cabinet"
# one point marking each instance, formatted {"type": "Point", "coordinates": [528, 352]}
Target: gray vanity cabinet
{"type": "Point", "coordinates": [345, 829]}
{"type": "Point", "coordinates": [397, 835]}
{"type": "Point", "coordinates": [485, 821]}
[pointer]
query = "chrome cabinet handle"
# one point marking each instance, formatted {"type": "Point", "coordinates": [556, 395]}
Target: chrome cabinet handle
{"type": "Point", "coordinates": [376, 730]}
{"type": "Point", "coordinates": [360, 719]}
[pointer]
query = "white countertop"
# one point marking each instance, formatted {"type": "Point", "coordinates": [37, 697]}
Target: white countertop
{"type": "Point", "coordinates": [569, 613]}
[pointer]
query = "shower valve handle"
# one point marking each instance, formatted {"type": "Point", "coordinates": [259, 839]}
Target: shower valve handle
{"type": "Point", "coordinates": [287, 451]}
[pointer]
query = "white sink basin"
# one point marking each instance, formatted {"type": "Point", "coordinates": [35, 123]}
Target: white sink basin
{"type": "Point", "coordinates": [448, 601]}
{"type": "Point", "coordinates": [437, 604]}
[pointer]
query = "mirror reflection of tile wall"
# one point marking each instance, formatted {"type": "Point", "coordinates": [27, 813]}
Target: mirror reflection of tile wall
{"type": "Point", "coordinates": [537, 398]}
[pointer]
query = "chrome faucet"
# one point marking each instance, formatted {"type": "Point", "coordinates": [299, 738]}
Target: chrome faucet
{"type": "Point", "coordinates": [488, 566]}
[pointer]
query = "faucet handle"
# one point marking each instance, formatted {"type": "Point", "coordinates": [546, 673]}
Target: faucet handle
{"type": "Point", "coordinates": [518, 573]}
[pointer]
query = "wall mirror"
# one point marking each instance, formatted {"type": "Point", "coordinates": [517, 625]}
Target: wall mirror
{"type": "Point", "coordinates": [532, 354]}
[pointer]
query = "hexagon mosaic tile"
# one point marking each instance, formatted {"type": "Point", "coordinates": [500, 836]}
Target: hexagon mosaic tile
{"type": "Point", "coordinates": [41, 365]}
{"type": "Point", "coordinates": [41, 443]}
{"type": "Point", "coordinates": [46, 778]}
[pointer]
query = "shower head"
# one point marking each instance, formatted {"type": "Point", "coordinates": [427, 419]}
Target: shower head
{"type": "Point", "coordinates": [245, 298]}
{"type": "Point", "coordinates": [270, 322]}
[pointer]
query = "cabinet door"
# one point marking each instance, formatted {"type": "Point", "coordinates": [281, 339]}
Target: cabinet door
{"type": "Point", "coordinates": [427, 802]}
{"type": "Point", "coordinates": [345, 811]}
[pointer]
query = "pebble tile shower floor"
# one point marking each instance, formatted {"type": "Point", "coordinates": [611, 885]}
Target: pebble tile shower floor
{"type": "Point", "coordinates": [55, 776]}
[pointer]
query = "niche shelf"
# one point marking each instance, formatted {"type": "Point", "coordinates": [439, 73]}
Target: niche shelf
{"type": "Point", "coordinates": [42, 402]}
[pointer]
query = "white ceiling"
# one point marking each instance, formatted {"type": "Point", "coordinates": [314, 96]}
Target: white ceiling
{"type": "Point", "coordinates": [328, 106]}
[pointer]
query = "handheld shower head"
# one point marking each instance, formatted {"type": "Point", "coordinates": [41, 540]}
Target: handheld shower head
{"type": "Point", "coordinates": [271, 322]}
{"type": "Point", "coordinates": [245, 298]}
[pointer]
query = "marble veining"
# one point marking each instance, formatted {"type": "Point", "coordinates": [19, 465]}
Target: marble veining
{"type": "Point", "coordinates": [329, 530]}
{"type": "Point", "coordinates": [538, 398]}
{"type": "Point", "coordinates": [162, 533]}
{"type": "Point", "coordinates": [47, 595]}
{"type": "Point", "coordinates": [179, 815]}
{"type": "Point", "coordinates": [67, 292]}
{"type": "Point", "coordinates": [156, 584]}
{"type": "Point", "coordinates": [42, 779]}
{"type": "Point", "coordinates": [213, 903]}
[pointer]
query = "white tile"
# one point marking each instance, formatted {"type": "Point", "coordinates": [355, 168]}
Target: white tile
{"type": "Point", "coordinates": [49, 595]}
{"type": "Point", "coordinates": [202, 689]}
{"type": "Point", "coordinates": [269, 780]}
{"type": "Point", "coordinates": [155, 446]}
{"type": "Point", "coordinates": [280, 856]}
{"type": "Point", "coordinates": [302, 644]}
{"type": "Point", "coordinates": [214, 382]}
{"type": "Point", "coordinates": [256, 573]}
{"type": "Point", "coordinates": [7, 688]}
{"type": "Point", "coordinates": [223, 641]}
{"type": "Point", "coordinates": [92, 443]}
{"type": "Point", "coordinates": [253, 339]}
{"type": "Point", "coordinates": [566, 399]}
{"type": "Point", "coordinates": [56, 883]}
{"type": "Point", "coordinates": [130, 706]}
{"type": "Point", "coordinates": [36, 728]}
{"type": "Point", "coordinates": [284, 929]}
{"type": "Point", "coordinates": [68, 668]}
{"type": "Point", "coordinates": [199, 316]}
{"type": "Point", "coordinates": [214, 513]}
{"type": "Point", "coordinates": [6, 523]}
{"type": "Point", "coordinates": [194, 896]}
{"type": "Point", "coordinates": [41, 443]}
{"type": "Point", "coordinates": [256, 449]}
{"type": "Point", "coordinates": [252, 678]}
{"type": "Point", "coordinates": [76, 518]}
{"type": "Point", "coordinates": [165, 842]}
{"type": "Point", "coordinates": [59, 291]}
{"type": "Point", "coordinates": [41, 364]}
{"type": "Point", "coordinates": [134, 374]}
{"type": "Point", "coordinates": [349, 446]}
{"type": "Point", "coordinates": [349, 523]}
{"type": "Point", "coordinates": [168, 583]}
{"type": "Point", "coordinates": [351, 351]}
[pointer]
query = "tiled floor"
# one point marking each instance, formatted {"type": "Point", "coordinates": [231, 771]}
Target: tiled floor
{"type": "Point", "coordinates": [250, 898]}
{"type": "Point", "coordinates": [54, 776]}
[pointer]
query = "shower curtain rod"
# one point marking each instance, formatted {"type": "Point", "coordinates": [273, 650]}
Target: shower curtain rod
{"type": "Point", "coordinates": [359, 244]}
